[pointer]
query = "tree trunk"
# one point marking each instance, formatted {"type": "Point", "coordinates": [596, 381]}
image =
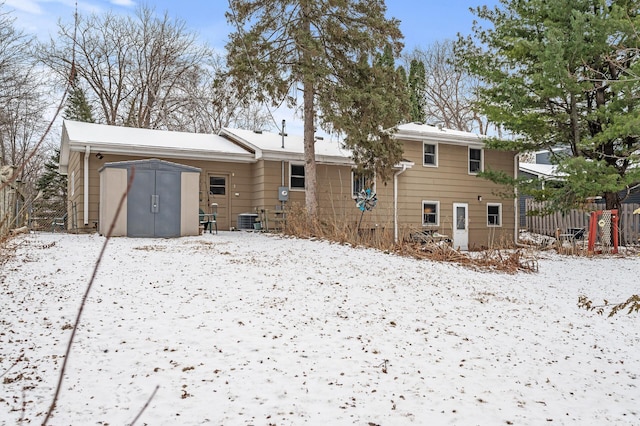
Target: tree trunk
{"type": "Point", "coordinates": [612, 200]}
{"type": "Point", "coordinates": [310, 182]}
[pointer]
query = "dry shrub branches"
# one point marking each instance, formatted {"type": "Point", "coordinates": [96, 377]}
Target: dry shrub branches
{"type": "Point", "coordinates": [502, 260]}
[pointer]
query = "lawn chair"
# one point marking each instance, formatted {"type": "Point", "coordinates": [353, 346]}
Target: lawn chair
{"type": "Point", "coordinates": [59, 222]}
{"type": "Point", "coordinates": [208, 220]}
{"type": "Point", "coordinates": [573, 235]}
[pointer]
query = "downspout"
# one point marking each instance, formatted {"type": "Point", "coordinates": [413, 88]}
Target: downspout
{"type": "Point", "coordinates": [516, 204]}
{"type": "Point", "coordinates": [87, 152]}
{"type": "Point", "coordinates": [395, 202]}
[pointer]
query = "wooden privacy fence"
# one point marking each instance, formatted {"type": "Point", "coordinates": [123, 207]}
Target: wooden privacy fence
{"type": "Point", "coordinates": [629, 223]}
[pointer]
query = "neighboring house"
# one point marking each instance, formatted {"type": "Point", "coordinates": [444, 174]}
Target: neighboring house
{"type": "Point", "coordinates": [547, 173]}
{"type": "Point", "coordinates": [244, 172]}
{"type": "Point", "coordinates": [544, 172]}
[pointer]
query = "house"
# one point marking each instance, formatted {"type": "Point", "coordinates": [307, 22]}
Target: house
{"type": "Point", "coordinates": [244, 172]}
{"type": "Point", "coordinates": [442, 190]}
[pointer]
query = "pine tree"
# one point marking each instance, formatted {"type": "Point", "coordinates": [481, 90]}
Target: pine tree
{"type": "Point", "coordinates": [564, 73]}
{"type": "Point", "coordinates": [417, 84]}
{"type": "Point", "coordinates": [327, 49]}
{"type": "Point", "coordinates": [53, 185]}
{"type": "Point", "coordinates": [77, 108]}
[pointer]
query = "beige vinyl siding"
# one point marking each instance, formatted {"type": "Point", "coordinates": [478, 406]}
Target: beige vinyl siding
{"type": "Point", "coordinates": [239, 180]}
{"type": "Point", "coordinates": [451, 183]}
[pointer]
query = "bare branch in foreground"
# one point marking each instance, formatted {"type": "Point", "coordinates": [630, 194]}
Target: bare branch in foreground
{"type": "Point", "coordinates": [145, 406]}
{"type": "Point", "coordinates": [84, 299]}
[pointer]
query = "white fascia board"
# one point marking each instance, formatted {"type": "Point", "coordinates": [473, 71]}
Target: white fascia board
{"type": "Point", "coordinates": [168, 153]}
{"type": "Point", "coordinates": [299, 157]}
{"type": "Point", "coordinates": [441, 138]}
{"type": "Point", "coordinates": [63, 163]}
{"type": "Point", "coordinates": [243, 143]}
{"type": "Point", "coordinates": [404, 165]}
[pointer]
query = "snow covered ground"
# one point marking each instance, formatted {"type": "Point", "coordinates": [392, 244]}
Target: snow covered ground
{"type": "Point", "coordinates": [252, 329]}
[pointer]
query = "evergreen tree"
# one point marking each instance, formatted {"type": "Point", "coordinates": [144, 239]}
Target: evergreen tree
{"type": "Point", "coordinates": [77, 108]}
{"type": "Point", "coordinates": [53, 184]}
{"type": "Point", "coordinates": [417, 84]}
{"type": "Point", "coordinates": [328, 49]}
{"type": "Point", "coordinates": [563, 73]}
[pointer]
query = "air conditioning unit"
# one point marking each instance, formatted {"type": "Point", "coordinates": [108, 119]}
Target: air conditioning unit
{"type": "Point", "coordinates": [246, 220]}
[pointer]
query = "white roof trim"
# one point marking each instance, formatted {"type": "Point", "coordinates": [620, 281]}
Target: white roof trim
{"type": "Point", "coordinates": [76, 136]}
{"type": "Point", "coordinates": [426, 133]}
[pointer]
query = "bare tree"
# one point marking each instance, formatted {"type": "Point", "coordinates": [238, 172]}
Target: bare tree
{"type": "Point", "coordinates": [208, 102]}
{"type": "Point", "coordinates": [22, 103]}
{"type": "Point", "coordinates": [449, 91]}
{"type": "Point", "coordinates": [137, 69]}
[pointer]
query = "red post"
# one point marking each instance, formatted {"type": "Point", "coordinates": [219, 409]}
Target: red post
{"type": "Point", "coordinates": [614, 221]}
{"type": "Point", "coordinates": [593, 232]}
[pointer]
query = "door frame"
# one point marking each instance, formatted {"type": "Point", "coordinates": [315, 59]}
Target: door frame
{"type": "Point", "coordinates": [460, 237]}
{"type": "Point", "coordinates": [224, 201]}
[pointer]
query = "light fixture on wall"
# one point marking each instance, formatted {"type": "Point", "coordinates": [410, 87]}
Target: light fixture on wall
{"type": "Point", "coordinates": [479, 197]}
{"type": "Point", "coordinates": [99, 156]}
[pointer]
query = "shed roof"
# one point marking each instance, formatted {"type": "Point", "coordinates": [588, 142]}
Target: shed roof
{"type": "Point", "coordinates": [150, 164]}
{"type": "Point", "coordinates": [77, 136]}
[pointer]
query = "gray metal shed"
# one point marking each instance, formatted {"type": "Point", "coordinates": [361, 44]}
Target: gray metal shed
{"type": "Point", "coordinates": [162, 201]}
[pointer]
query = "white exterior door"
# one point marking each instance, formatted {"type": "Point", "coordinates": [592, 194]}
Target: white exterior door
{"type": "Point", "coordinates": [461, 226]}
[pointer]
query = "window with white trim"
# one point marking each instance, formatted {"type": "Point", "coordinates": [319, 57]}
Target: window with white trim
{"type": "Point", "coordinates": [494, 214]}
{"type": "Point", "coordinates": [360, 181]}
{"type": "Point", "coordinates": [475, 160]}
{"type": "Point", "coordinates": [431, 213]}
{"type": "Point", "coordinates": [296, 173]}
{"type": "Point", "coordinates": [430, 154]}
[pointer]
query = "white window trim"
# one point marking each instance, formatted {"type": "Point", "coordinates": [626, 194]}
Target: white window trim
{"type": "Point", "coordinates": [291, 187]}
{"type": "Point", "coordinates": [437, 203]}
{"type": "Point", "coordinates": [469, 160]}
{"type": "Point", "coordinates": [353, 173]}
{"type": "Point", "coordinates": [435, 154]}
{"type": "Point", "coordinates": [499, 205]}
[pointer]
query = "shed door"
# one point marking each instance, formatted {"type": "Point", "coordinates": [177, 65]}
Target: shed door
{"type": "Point", "coordinates": [153, 204]}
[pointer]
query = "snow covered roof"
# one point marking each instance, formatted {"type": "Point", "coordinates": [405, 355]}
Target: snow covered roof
{"type": "Point", "coordinates": [546, 171]}
{"type": "Point", "coordinates": [419, 131]}
{"type": "Point", "coordinates": [77, 136]}
{"type": "Point", "coordinates": [269, 146]}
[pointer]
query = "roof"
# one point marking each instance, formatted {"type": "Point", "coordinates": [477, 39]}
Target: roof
{"type": "Point", "coordinates": [546, 171]}
{"type": "Point", "coordinates": [79, 136]}
{"type": "Point", "coordinates": [424, 132]}
{"type": "Point", "coordinates": [272, 146]}
{"type": "Point", "coordinates": [150, 164]}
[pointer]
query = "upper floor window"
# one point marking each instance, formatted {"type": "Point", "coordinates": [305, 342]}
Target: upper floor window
{"type": "Point", "coordinates": [430, 154]}
{"type": "Point", "coordinates": [431, 213]}
{"type": "Point", "coordinates": [494, 214]}
{"type": "Point", "coordinates": [475, 160]}
{"type": "Point", "coordinates": [297, 176]}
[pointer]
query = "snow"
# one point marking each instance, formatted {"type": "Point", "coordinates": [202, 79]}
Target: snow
{"type": "Point", "coordinates": [244, 328]}
{"type": "Point", "coordinates": [270, 145]}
